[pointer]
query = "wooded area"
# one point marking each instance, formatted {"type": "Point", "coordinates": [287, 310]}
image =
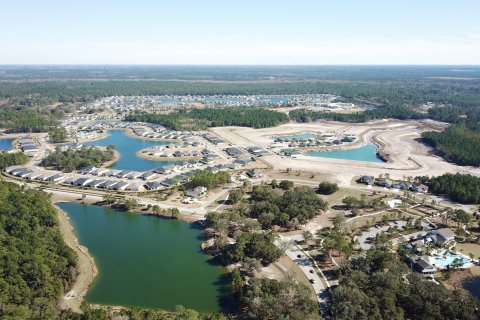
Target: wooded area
{"type": "Point", "coordinates": [36, 266]}
{"type": "Point", "coordinates": [375, 287]}
{"type": "Point", "coordinates": [75, 159]}
{"type": "Point", "coordinates": [463, 188]}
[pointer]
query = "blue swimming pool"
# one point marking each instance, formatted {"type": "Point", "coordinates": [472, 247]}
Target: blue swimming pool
{"type": "Point", "coordinates": [448, 258]}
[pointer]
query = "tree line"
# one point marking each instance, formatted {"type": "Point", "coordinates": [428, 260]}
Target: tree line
{"type": "Point", "coordinates": [74, 159]}
{"type": "Point", "coordinates": [36, 266]}
{"type": "Point", "coordinates": [202, 118]}
{"type": "Point", "coordinates": [8, 159]}
{"type": "Point", "coordinates": [463, 188]}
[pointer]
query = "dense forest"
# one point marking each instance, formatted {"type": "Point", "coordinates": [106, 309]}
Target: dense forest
{"type": "Point", "coordinates": [458, 143]}
{"type": "Point", "coordinates": [288, 209]}
{"type": "Point", "coordinates": [75, 159]}
{"type": "Point", "coordinates": [381, 85]}
{"type": "Point", "coordinates": [203, 118]}
{"type": "Point", "coordinates": [26, 120]}
{"type": "Point", "coordinates": [374, 287]}
{"type": "Point", "coordinates": [36, 266]}
{"type": "Point", "coordinates": [8, 159]}
{"type": "Point", "coordinates": [463, 188]}
{"type": "Point", "coordinates": [272, 299]}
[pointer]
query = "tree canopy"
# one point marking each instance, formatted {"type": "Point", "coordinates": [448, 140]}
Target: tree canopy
{"type": "Point", "coordinates": [74, 159]}
{"type": "Point", "coordinates": [36, 266]}
{"type": "Point", "coordinates": [378, 286]}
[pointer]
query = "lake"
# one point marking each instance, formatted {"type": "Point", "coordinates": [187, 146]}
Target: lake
{"type": "Point", "coordinates": [148, 261]}
{"type": "Point", "coordinates": [128, 147]}
{"type": "Point", "coordinates": [366, 153]}
{"type": "Point", "coordinates": [6, 144]}
{"type": "Point", "coordinates": [473, 286]}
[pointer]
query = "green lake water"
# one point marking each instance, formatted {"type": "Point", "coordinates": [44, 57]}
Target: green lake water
{"type": "Point", "coordinates": [366, 153]}
{"type": "Point", "coordinates": [128, 147]}
{"type": "Point", "coordinates": [148, 261]}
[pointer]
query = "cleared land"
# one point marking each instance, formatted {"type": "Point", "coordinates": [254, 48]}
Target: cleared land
{"type": "Point", "coordinates": [400, 139]}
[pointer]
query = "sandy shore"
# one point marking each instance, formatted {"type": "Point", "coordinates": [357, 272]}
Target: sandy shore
{"type": "Point", "coordinates": [103, 135]}
{"type": "Point", "coordinates": [87, 270]}
{"type": "Point", "coordinates": [140, 154]}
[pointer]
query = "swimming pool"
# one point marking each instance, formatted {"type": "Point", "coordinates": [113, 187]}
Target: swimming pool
{"type": "Point", "coordinates": [448, 258]}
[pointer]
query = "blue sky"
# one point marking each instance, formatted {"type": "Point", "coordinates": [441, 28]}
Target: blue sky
{"type": "Point", "coordinates": [240, 32]}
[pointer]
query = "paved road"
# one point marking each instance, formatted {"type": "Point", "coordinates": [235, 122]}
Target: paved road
{"type": "Point", "coordinates": [306, 264]}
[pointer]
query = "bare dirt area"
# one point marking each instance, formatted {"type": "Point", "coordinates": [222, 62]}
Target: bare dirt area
{"type": "Point", "coordinates": [398, 139]}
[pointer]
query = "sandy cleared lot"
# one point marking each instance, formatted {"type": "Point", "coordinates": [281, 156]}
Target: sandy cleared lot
{"type": "Point", "coordinates": [400, 139]}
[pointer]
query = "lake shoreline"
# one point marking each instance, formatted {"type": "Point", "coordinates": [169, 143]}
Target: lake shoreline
{"type": "Point", "coordinates": [86, 268]}
{"type": "Point", "coordinates": [103, 295]}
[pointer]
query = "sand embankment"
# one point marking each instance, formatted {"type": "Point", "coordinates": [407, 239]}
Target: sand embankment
{"type": "Point", "coordinates": [86, 268]}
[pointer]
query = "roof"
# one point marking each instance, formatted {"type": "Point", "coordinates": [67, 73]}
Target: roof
{"type": "Point", "coordinates": [445, 233]}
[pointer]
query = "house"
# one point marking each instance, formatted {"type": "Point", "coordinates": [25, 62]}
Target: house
{"type": "Point", "coordinates": [418, 187]}
{"type": "Point", "coordinates": [383, 182]}
{"type": "Point", "coordinates": [208, 158]}
{"type": "Point", "coordinates": [95, 183]}
{"type": "Point", "coordinates": [162, 170]}
{"type": "Point", "coordinates": [367, 180]}
{"type": "Point", "coordinates": [402, 185]}
{"type": "Point", "coordinates": [121, 185]}
{"type": "Point", "coordinates": [153, 185]}
{"type": "Point", "coordinates": [255, 173]}
{"type": "Point", "coordinates": [242, 163]}
{"type": "Point", "coordinates": [111, 184]}
{"type": "Point", "coordinates": [33, 175]}
{"type": "Point", "coordinates": [197, 192]}
{"type": "Point", "coordinates": [443, 237]}
{"type": "Point", "coordinates": [46, 175]}
{"type": "Point", "coordinates": [101, 171]}
{"type": "Point", "coordinates": [167, 183]}
{"type": "Point", "coordinates": [135, 175]}
{"type": "Point", "coordinates": [113, 172]}
{"type": "Point", "coordinates": [148, 175]}
{"type": "Point", "coordinates": [233, 166]}
{"type": "Point", "coordinates": [423, 266]}
{"type": "Point", "coordinates": [88, 170]}
{"type": "Point", "coordinates": [81, 182]}
{"type": "Point", "coordinates": [124, 174]}
{"type": "Point", "coordinates": [56, 178]}
{"type": "Point", "coordinates": [134, 186]}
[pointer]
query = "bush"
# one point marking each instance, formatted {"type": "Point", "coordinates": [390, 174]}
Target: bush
{"type": "Point", "coordinates": [327, 188]}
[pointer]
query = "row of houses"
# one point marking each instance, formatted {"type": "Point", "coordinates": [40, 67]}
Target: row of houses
{"type": "Point", "coordinates": [389, 183]}
{"type": "Point", "coordinates": [213, 138]}
{"type": "Point", "coordinates": [28, 145]}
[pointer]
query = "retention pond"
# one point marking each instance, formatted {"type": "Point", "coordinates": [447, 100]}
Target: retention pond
{"type": "Point", "coordinates": [147, 261]}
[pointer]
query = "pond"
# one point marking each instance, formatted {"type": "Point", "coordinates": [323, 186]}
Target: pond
{"type": "Point", "coordinates": [128, 147]}
{"type": "Point", "coordinates": [148, 261]}
{"type": "Point", "coordinates": [6, 144]}
{"type": "Point", "coordinates": [473, 286]}
{"type": "Point", "coordinates": [366, 153]}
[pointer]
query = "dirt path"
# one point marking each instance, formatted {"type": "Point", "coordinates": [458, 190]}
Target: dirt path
{"type": "Point", "coordinates": [87, 270]}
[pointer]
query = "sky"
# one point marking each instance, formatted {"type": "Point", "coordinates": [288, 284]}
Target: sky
{"type": "Point", "coordinates": [242, 32]}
